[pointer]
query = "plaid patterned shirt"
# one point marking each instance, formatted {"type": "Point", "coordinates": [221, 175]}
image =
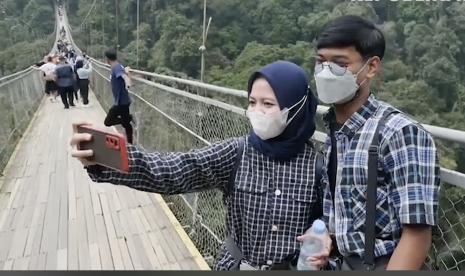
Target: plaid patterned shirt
{"type": "Point", "coordinates": [408, 179]}
{"type": "Point", "coordinates": [270, 205]}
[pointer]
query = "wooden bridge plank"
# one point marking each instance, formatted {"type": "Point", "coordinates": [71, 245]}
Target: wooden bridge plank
{"type": "Point", "coordinates": [52, 260]}
{"type": "Point", "coordinates": [53, 217]}
{"type": "Point", "coordinates": [6, 238]}
{"type": "Point", "coordinates": [83, 245]}
{"type": "Point", "coordinates": [104, 247]}
{"type": "Point", "coordinates": [19, 243]}
{"type": "Point", "coordinates": [8, 265]}
{"type": "Point", "coordinates": [125, 254]}
{"type": "Point", "coordinates": [136, 260]}
{"type": "Point", "coordinates": [95, 263]}
{"type": "Point", "coordinates": [73, 255]}
{"type": "Point", "coordinates": [62, 259]}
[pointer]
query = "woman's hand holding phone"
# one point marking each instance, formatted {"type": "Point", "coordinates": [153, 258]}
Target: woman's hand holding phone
{"type": "Point", "coordinates": [82, 155]}
{"type": "Point", "coordinates": [99, 145]}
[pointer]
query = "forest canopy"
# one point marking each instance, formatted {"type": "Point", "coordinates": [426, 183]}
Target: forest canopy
{"type": "Point", "coordinates": [423, 69]}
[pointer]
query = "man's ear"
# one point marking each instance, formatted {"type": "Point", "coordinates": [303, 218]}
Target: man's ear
{"type": "Point", "coordinates": [374, 67]}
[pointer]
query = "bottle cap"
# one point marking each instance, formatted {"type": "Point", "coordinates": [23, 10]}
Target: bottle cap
{"type": "Point", "coordinates": [319, 227]}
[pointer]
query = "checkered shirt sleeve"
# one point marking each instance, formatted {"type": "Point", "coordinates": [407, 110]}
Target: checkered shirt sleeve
{"type": "Point", "coordinates": [412, 165]}
{"type": "Point", "coordinates": [173, 173]}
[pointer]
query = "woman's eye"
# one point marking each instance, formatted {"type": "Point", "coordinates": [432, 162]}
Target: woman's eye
{"type": "Point", "coordinates": [269, 104]}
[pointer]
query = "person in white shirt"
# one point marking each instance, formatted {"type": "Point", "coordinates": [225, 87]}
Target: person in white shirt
{"type": "Point", "coordinates": [83, 72]}
{"type": "Point", "coordinates": [48, 70]}
{"type": "Point", "coordinates": [81, 57]}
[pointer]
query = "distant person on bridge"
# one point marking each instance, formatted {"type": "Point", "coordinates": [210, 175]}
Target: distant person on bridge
{"type": "Point", "coordinates": [61, 46]}
{"type": "Point", "coordinates": [270, 178]}
{"type": "Point", "coordinates": [404, 158]}
{"type": "Point", "coordinates": [49, 76]}
{"type": "Point", "coordinates": [120, 83]}
{"type": "Point", "coordinates": [65, 80]}
{"type": "Point", "coordinates": [42, 62]}
{"type": "Point", "coordinates": [82, 56]}
{"type": "Point", "coordinates": [83, 72]}
{"type": "Point", "coordinates": [71, 60]}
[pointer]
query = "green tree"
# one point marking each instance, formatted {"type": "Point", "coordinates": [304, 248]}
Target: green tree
{"type": "Point", "coordinates": [144, 52]}
{"type": "Point", "coordinates": [414, 98]}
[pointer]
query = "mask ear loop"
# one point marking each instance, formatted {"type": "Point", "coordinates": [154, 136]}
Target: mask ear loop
{"type": "Point", "coordinates": [356, 75]}
{"type": "Point", "coordinates": [304, 99]}
{"type": "Point", "coordinates": [361, 69]}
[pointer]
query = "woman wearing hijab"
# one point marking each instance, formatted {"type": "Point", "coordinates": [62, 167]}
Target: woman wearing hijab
{"type": "Point", "coordinates": [274, 194]}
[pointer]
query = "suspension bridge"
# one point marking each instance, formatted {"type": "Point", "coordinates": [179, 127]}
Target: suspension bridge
{"type": "Point", "coordinates": [53, 217]}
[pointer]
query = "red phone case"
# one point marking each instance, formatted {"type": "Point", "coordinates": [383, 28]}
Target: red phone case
{"type": "Point", "coordinates": [109, 148]}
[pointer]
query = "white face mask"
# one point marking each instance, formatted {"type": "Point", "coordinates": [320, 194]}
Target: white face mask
{"type": "Point", "coordinates": [332, 89]}
{"type": "Point", "coordinates": [268, 126]}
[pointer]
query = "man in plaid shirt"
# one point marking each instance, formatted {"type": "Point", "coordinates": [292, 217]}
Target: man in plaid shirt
{"type": "Point", "coordinates": [349, 53]}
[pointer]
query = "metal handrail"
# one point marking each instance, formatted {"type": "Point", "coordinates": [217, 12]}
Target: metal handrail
{"type": "Point", "coordinates": [448, 134]}
{"type": "Point", "coordinates": [16, 78]}
{"type": "Point", "coordinates": [449, 176]}
{"type": "Point", "coordinates": [16, 74]}
{"type": "Point", "coordinates": [224, 90]}
{"type": "Point", "coordinates": [452, 135]}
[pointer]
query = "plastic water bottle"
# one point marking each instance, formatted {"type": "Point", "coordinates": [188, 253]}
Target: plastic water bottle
{"type": "Point", "coordinates": [312, 245]}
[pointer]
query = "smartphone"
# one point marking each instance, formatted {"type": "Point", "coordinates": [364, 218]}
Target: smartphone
{"type": "Point", "coordinates": [109, 147]}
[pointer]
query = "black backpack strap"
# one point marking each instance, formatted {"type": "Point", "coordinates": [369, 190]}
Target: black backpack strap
{"type": "Point", "coordinates": [232, 176]}
{"type": "Point", "coordinates": [229, 188]}
{"type": "Point", "coordinates": [372, 184]}
{"type": "Point", "coordinates": [231, 246]}
{"type": "Point", "coordinates": [319, 167]}
{"type": "Point", "coordinates": [317, 211]}
{"type": "Point", "coordinates": [235, 252]}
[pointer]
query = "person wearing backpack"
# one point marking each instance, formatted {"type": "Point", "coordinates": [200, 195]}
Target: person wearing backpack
{"type": "Point", "coordinates": [270, 177]}
{"type": "Point", "coordinates": [382, 199]}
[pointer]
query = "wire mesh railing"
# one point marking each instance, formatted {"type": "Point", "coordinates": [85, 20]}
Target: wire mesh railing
{"type": "Point", "coordinates": [448, 250]}
{"type": "Point", "coordinates": [201, 214]}
{"type": "Point", "coordinates": [20, 95]}
{"type": "Point", "coordinates": [173, 117]}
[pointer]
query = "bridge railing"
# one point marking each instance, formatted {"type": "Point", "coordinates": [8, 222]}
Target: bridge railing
{"type": "Point", "coordinates": [20, 95]}
{"type": "Point", "coordinates": [6, 78]}
{"type": "Point", "coordinates": [173, 115]}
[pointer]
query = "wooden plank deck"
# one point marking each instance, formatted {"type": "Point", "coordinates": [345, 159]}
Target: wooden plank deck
{"type": "Point", "coordinates": [53, 217]}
